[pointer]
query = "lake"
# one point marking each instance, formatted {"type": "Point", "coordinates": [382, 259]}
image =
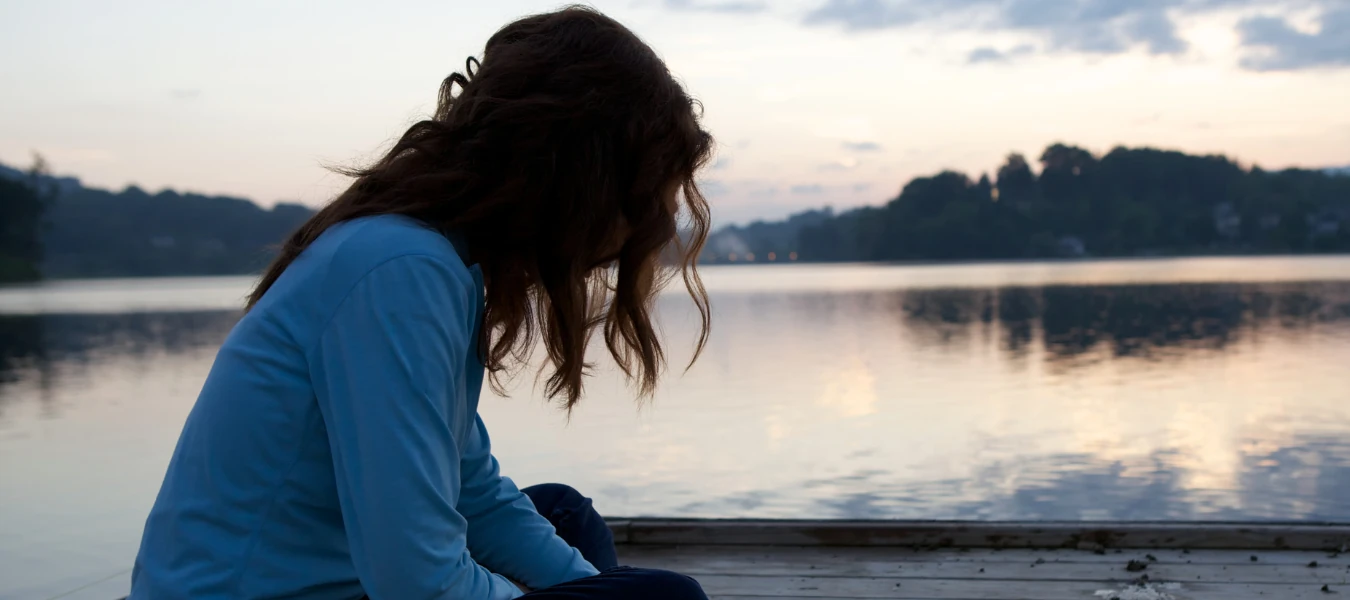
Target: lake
{"type": "Point", "coordinates": [1189, 389]}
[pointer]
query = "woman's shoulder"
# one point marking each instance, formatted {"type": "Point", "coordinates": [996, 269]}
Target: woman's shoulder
{"type": "Point", "coordinates": [361, 245]}
{"type": "Point", "coordinates": [387, 262]}
{"type": "Point", "coordinates": [404, 253]}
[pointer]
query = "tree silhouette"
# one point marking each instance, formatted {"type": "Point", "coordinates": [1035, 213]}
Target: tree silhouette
{"type": "Point", "coordinates": [1129, 202]}
{"type": "Point", "coordinates": [22, 204]}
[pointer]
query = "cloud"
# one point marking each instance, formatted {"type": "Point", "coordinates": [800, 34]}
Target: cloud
{"type": "Point", "coordinates": [1103, 26]}
{"type": "Point", "coordinates": [1092, 26]}
{"type": "Point", "coordinates": [814, 188]}
{"type": "Point", "coordinates": [726, 6]}
{"type": "Point", "coordinates": [722, 162]}
{"type": "Point", "coordinates": [1274, 45]}
{"type": "Point", "coordinates": [862, 146]}
{"type": "Point", "coordinates": [1097, 26]}
{"type": "Point", "coordinates": [185, 94]}
{"type": "Point", "coordinates": [987, 54]}
{"type": "Point", "coordinates": [1156, 30]}
{"type": "Point", "coordinates": [866, 14]}
{"type": "Point", "coordinates": [842, 164]}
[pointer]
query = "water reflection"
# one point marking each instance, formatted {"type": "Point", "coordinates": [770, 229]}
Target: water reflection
{"type": "Point", "coordinates": [1061, 328]}
{"type": "Point", "coordinates": [944, 399]}
{"type": "Point", "coordinates": [1068, 321]}
{"type": "Point", "coordinates": [39, 348]}
{"type": "Point", "coordinates": [1308, 480]}
{"type": "Point", "coordinates": [1141, 320]}
{"type": "Point", "coordinates": [20, 345]}
{"type": "Point", "coordinates": [1083, 391]}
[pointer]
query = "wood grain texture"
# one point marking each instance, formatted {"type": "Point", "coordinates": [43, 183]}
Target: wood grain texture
{"type": "Point", "coordinates": [850, 560]}
{"type": "Point", "coordinates": [1021, 565]}
{"type": "Point", "coordinates": [967, 589]}
{"type": "Point", "coordinates": [967, 534]}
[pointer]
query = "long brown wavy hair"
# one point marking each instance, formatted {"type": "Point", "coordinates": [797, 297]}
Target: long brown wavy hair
{"type": "Point", "coordinates": [563, 162]}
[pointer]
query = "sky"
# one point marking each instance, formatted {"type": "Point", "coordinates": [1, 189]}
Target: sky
{"type": "Point", "coordinates": [813, 102]}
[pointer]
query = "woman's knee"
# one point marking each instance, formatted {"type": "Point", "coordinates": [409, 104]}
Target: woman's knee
{"type": "Point", "coordinates": [658, 584]}
{"type": "Point", "coordinates": [554, 494]}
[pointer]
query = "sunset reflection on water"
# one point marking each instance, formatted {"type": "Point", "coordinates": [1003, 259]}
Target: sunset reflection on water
{"type": "Point", "coordinates": [1137, 390]}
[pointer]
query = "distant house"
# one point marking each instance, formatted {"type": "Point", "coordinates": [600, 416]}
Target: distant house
{"type": "Point", "coordinates": [1227, 221]}
{"type": "Point", "coordinates": [1326, 223]}
{"type": "Point", "coordinates": [1268, 221]}
{"type": "Point", "coordinates": [1071, 246]}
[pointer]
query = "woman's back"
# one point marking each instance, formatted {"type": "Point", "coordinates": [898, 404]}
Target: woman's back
{"type": "Point", "coordinates": [250, 507]}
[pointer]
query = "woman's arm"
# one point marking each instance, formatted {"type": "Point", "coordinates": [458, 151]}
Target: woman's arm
{"type": "Point", "coordinates": [383, 371]}
{"type": "Point", "coordinates": [506, 533]}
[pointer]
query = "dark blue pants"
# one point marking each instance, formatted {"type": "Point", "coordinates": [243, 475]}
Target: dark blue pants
{"type": "Point", "coordinates": [580, 526]}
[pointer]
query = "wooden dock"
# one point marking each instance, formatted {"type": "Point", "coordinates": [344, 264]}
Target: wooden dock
{"type": "Point", "coordinates": [977, 560]}
{"type": "Point", "coordinates": [988, 561]}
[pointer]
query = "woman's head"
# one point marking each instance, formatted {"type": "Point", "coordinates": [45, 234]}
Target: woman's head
{"type": "Point", "coordinates": [562, 159]}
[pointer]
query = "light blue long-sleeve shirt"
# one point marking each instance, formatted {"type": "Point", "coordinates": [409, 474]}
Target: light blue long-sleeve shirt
{"type": "Point", "coordinates": [336, 449]}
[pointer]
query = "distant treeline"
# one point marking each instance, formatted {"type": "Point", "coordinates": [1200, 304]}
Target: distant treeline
{"type": "Point", "coordinates": [1130, 202]}
{"type": "Point", "coordinates": [21, 208]}
{"type": "Point", "coordinates": [57, 228]}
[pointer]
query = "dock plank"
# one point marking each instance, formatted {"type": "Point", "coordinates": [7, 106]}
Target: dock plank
{"type": "Point", "coordinates": [966, 534]}
{"type": "Point", "coordinates": [968, 589]}
{"type": "Point", "coordinates": [995, 561]}
{"type": "Point", "coordinates": [855, 560]}
{"type": "Point", "coordinates": [1007, 565]}
{"type": "Point", "coordinates": [985, 555]}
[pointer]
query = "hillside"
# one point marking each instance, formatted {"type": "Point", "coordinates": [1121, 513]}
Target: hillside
{"type": "Point", "coordinates": [132, 233]}
{"type": "Point", "coordinates": [1128, 202]}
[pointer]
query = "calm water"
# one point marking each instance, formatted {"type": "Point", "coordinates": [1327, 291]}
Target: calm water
{"type": "Point", "coordinates": [1180, 389]}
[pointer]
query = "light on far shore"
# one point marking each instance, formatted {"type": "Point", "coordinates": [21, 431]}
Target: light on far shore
{"type": "Point", "coordinates": [748, 257]}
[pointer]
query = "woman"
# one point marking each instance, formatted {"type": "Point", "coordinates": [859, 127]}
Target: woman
{"type": "Point", "coordinates": [335, 450]}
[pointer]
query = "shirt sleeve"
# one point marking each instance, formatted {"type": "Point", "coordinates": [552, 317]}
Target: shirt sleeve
{"type": "Point", "coordinates": [384, 369]}
{"type": "Point", "coordinates": [506, 533]}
